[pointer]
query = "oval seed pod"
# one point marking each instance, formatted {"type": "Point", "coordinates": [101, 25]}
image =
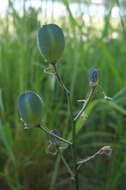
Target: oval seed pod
{"type": "Point", "coordinates": [51, 43]}
{"type": "Point", "coordinates": [30, 108]}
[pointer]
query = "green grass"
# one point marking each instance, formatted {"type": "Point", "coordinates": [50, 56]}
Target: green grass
{"type": "Point", "coordinates": [24, 163]}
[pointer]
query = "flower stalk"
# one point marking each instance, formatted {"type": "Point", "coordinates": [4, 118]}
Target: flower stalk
{"type": "Point", "coordinates": [74, 154]}
{"type": "Point", "coordinates": [86, 102]}
{"type": "Point", "coordinates": [106, 150]}
{"type": "Point", "coordinates": [46, 130]}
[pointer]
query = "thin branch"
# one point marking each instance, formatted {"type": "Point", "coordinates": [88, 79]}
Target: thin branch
{"type": "Point", "coordinates": [67, 92]}
{"type": "Point", "coordinates": [53, 135]}
{"type": "Point", "coordinates": [106, 150]}
{"type": "Point", "coordinates": [86, 159]}
{"type": "Point", "coordinates": [66, 164]}
{"type": "Point", "coordinates": [59, 79]}
{"type": "Point", "coordinates": [85, 103]}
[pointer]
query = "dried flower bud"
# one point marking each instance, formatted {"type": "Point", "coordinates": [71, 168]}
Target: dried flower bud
{"type": "Point", "coordinates": [107, 150]}
{"type": "Point", "coordinates": [30, 108]}
{"type": "Point", "coordinates": [93, 75]}
{"type": "Point", "coordinates": [54, 139]}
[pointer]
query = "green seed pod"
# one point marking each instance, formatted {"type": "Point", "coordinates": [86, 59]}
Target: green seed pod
{"type": "Point", "coordinates": [51, 42]}
{"type": "Point", "coordinates": [30, 108]}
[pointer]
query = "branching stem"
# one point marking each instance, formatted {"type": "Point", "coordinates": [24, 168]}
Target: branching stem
{"type": "Point", "coordinates": [85, 104]}
{"type": "Point", "coordinates": [66, 164]}
{"type": "Point", "coordinates": [59, 79]}
{"type": "Point", "coordinates": [53, 135]}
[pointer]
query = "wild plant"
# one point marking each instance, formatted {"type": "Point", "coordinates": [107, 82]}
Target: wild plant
{"type": "Point", "coordinates": [51, 44]}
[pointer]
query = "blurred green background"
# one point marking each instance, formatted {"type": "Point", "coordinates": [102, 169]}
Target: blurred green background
{"type": "Point", "coordinates": [93, 40]}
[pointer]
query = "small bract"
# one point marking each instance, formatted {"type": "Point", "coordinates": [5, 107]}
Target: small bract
{"type": "Point", "coordinates": [30, 108]}
{"type": "Point", "coordinates": [51, 43]}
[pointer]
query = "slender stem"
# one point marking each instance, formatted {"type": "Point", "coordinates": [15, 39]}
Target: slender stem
{"type": "Point", "coordinates": [85, 103]}
{"type": "Point", "coordinates": [106, 150]}
{"type": "Point", "coordinates": [66, 164]}
{"type": "Point", "coordinates": [59, 79]}
{"type": "Point", "coordinates": [53, 135]}
{"type": "Point", "coordinates": [86, 159]}
{"type": "Point", "coordinates": [74, 146]}
{"type": "Point", "coordinates": [55, 172]}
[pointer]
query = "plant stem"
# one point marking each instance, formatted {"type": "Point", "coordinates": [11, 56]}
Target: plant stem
{"type": "Point", "coordinates": [59, 79]}
{"type": "Point", "coordinates": [86, 102]}
{"type": "Point", "coordinates": [66, 164]}
{"type": "Point", "coordinates": [86, 159]}
{"type": "Point", "coordinates": [55, 173]}
{"type": "Point", "coordinates": [52, 134]}
{"type": "Point", "coordinates": [106, 150]}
